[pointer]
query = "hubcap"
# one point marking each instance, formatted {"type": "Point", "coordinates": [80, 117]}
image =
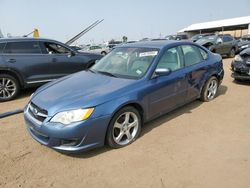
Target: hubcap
{"type": "Point", "coordinates": [212, 89]}
{"type": "Point", "coordinates": [125, 128]}
{"type": "Point", "coordinates": [7, 88]}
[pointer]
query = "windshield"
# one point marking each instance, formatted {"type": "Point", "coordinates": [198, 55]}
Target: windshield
{"type": "Point", "coordinates": [130, 63]}
{"type": "Point", "coordinates": [207, 39]}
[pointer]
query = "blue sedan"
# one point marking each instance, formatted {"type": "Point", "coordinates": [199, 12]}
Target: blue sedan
{"type": "Point", "coordinates": [131, 85]}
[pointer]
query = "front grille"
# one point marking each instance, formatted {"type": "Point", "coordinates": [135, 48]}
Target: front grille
{"type": "Point", "coordinates": [37, 113]}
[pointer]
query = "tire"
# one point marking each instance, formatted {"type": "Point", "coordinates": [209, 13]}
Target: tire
{"type": "Point", "coordinates": [123, 129]}
{"type": "Point", "coordinates": [9, 87]}
{"type": "Point", "coordinates": [210, 89]}
{"type": "Point", "coordinates": [232, 53]}
{"type": "Point", "coordinates": [103, 53]}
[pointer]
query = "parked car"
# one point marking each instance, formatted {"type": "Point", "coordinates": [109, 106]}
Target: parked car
{"type": "Point", "coordinates": [241, 66]}
{"type": "Point", "coordinates": [170, 37]}
{"type": "Point", "coordinates": [181, 37]}
{"type": "Point", "coordinates": [221, 44]}
{"type": "Point", "coordinates": [244, 43]}
{"type": "Point", "coordinates": [109, 103]}
{"type": "Point", "coordinates": [199, 36]}
{"type": "Point", "coordinates": [29, 62]}
{"type": "Point", "coordinates": [114, 43]}
{"type": "Point", "coordinates": [96, 49]}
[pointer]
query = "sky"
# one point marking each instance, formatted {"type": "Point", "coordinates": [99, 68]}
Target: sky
{"type": "Point", "coordinates": [136, 19]}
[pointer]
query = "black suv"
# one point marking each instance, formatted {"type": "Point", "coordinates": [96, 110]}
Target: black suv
{"type": "Point", "coordinates": [221, 44]}
{"type": "Point", "coordinates": [29, 62]}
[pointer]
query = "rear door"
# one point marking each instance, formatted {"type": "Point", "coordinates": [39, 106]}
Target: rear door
{"type": "Point", "coordinates": [196, 68]}
{"type": "Point", "coordinates": [26, 58]}
{"type": "Point", "coordinates": [63, 61]}
{"type": "Point", "coordinates": [227, 43]}
{"type": "Point", "coordinates": [168, 92]}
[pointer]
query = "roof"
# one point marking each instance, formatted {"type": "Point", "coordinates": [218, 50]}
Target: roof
{"type": "Point", "coordinates": [219, 23]}
{"type": "Point", "coordinates": [16, 39]}
{"type": "Point", "coordinates": [150, 44]}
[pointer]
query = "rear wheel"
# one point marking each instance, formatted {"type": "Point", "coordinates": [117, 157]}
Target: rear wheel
{"type": "Point", "coordinates": [209, 90]}
{"type": "Point", "coordinates": [124, 127]}
{"type": "Point", "coordinates": [9, 87]}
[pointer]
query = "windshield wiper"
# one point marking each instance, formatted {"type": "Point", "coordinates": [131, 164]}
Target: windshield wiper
{"type": "Point", "coordinates": [106, 73]}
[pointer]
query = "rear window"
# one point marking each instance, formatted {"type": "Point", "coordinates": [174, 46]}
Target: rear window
{"type": "Point", "coordinates": [22, 48]}
{"type": "Point", "coordinates": [2, 47]}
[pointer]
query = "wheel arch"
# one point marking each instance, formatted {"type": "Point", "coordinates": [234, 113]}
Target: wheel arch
{"type": "Point", "coordinates": [134, 104]}
{"type": "Point", "coordinates": [15, 74]}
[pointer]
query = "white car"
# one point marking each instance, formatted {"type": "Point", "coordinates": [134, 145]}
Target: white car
{"type": "Point", "coordinates": [97, 49]}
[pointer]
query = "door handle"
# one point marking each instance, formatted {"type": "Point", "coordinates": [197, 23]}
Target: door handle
{"type": "Point", "coordinates": [54, 60]}
{"type": "Point", "coordinates": [11, 60]}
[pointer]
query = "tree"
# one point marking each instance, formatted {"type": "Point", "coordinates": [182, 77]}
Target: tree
{"type": "Point", "coordinates": [124, 39]}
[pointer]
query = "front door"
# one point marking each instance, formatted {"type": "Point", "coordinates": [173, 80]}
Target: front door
{"type": "Point", "coordinates": [168, 92]}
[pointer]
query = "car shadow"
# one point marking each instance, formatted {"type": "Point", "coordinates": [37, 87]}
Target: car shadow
{"type": "Point", "coordinates": [147, 127]}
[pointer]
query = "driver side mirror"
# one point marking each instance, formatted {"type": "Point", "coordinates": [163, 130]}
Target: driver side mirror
{"type": "Point", "coordinates": [219, 41]}
{"type": "Point", "coordinates": [71, 53]}
{"type": "Point", "coordinates": [162, 72]}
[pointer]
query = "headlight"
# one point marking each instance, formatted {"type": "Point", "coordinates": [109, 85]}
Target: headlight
{"type": "Point", "coordinates": [238, 58]}
{"type": "Point", "coordinates": [245, 46]}
{"type": "Point", "coordinates": [72, 116]}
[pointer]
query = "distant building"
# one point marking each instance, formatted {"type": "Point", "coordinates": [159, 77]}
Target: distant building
{"type": "Point", "coordinates": [237, 27]}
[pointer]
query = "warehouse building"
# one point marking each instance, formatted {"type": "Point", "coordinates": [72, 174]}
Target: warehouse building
{"type": "Point", "coordinates": [237, 27]}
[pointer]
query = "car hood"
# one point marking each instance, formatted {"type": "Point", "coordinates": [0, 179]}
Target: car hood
{"type": "Point", "coordinates": [204, 42]}
{"type": "Point", "coordinates": [80, 90]}
{"type": "Point", "coordinates": [242, 43]}
{"type": "Point", "coordinates": [245, 52]}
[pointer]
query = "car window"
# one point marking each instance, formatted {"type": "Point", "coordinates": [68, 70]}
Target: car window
{"type": "Point", "coordinates": [227, 38]}
{"type": "Point", "coordinates": [22, 48]}
{"type": "Point", "coordinates": [203, 54]}
{"type": "Point", "coordinates": [2, 45]}
{"type": "Point", "coordinates": [54, 48]}
{"type": "Point", "coordinates": [192, 55]}
{"type": "Point", "coordinates": [171, 59]}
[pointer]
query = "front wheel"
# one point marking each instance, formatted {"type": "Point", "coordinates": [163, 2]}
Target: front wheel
{"type": "Point", "coordinates": [210, 89]}
{"type": "Point", "coordinates": [124, 127]}
{"type": "Point", "coordinates": [232, 53]}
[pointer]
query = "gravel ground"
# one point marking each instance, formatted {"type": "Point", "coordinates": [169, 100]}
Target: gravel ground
{"type": "Point", "coordinates": [199, 145]}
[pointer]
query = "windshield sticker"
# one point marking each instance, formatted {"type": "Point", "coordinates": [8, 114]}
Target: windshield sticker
{"type": "Point", "coordinates": [138, 71]}
{"type": "Point", "coordinates": [144, 54]}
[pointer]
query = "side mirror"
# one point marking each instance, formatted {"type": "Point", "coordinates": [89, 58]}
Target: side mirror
{"type": "Point", "coordinates": [219, 41]}
{"type": "Point", "coordinates": [71, 53]}
{"type": "Point", "coordinates": [162, 72]}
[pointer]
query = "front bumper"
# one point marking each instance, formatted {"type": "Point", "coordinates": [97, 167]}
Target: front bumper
{"type": "Point", "coordinates": [238, 76]}
{"type": "Point", "coordinates": [73, 138]}
{"type": "Point", "coordinates": [240, 70]}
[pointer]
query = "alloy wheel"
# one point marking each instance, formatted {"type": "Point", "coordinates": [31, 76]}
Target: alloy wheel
{"type": "Point", "coordinates": [125, 128]}
{"type": "Point", "coordinates": [7, 88]}
{"type": "Point", "coordinates": [212, 89]}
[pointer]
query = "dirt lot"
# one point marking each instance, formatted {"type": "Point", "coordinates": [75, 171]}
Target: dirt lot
{"type": "Point", "coordinates": [199, 145]}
